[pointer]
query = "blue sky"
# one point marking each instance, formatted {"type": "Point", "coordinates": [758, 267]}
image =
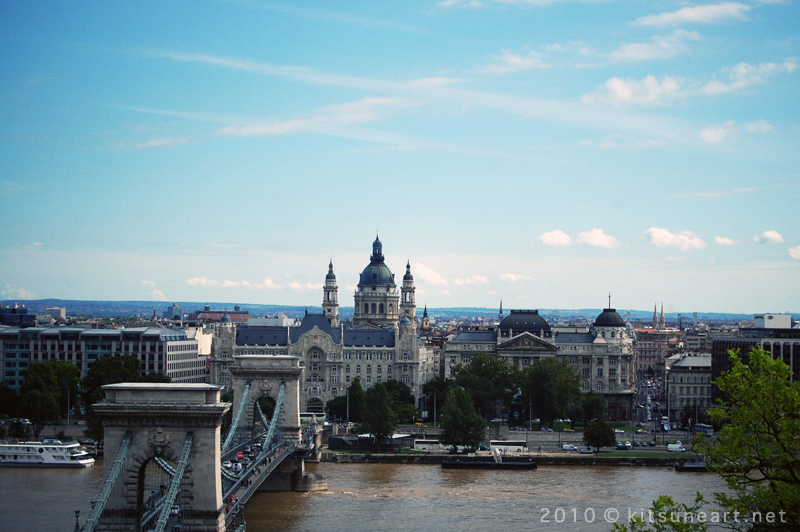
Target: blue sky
{"type": "Point", "coordinates": [541, 152]}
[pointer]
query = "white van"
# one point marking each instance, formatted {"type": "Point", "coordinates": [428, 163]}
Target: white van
{"type": "Point", "coordinates": [675, 448]}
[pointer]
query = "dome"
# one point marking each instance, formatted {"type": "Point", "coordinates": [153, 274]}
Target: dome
{"type": "Point", "coordinates": [225, 319]}
{"type": "Point", "coordinates": [408, 276]}
{"type": "Point", "coordinates": [405, 321]}
{"type": "Point", "coordinates": [609, 318]}
{"type": "Point", "coordinates": [377, 273]}
{"type": "Point", "coordinates": [524, 320]}
{"type": "Point", "coordinates": [331, 276]}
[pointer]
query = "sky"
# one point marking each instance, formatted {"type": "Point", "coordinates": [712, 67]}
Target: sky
{"type": "Point", "coordinates": [544, 153]}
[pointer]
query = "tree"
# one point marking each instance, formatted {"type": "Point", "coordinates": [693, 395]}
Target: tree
{"type": "Point", "coordinates": [404, 401]}
{"type": "Point", "coordinates": [356, 398]}
{"type": "Point", "coordinates": [757, 450]}
{"type": "Point", "coordinates": [336, 408]}
{"type": "Point", "coordinates": [8, 401]}
{"type": "Point", "coordinates": [594, 406]}
{"type": "Point", "coordinates": [553, 386]}
{"type": "Point", "coordinates": [378, 415]}
{"type": "Point", "coordinates": [435, 391]}
{"type": "Point", "coordinates": [461, 424]}
{"type": "Point", "coordinates": [661, 517]}
{"type": "Point", "coordinates": [38, 406]}
{"type": "Point", "coordinates": [599, 434]}
{"type": "Point", "coordinates": [489, 378]}
{"type": "Point", "coordinates": [18, 431]}
{"type": "Point", "coordinates": [55, 378]}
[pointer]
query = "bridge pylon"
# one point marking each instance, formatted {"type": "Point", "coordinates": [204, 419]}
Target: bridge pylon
{"type": "Point", "coordinates": [177, 423]}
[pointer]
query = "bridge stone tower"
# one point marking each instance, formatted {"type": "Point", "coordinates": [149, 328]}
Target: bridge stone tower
{"type": "Point", "coordinates": [159, 418]}
{"type": "Point", "coordinates": [265, 375]}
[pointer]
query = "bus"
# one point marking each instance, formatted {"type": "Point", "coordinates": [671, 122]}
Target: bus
{"type": "Point", "coordinates": [509, 446]}
{"type": "Point", "coordinates": [427, 445]}
{"type": "Point", "coordinates": [702, 428]}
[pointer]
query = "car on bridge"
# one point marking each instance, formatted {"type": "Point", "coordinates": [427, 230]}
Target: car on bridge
{"type": "Point", "coordinates": [227, 464]}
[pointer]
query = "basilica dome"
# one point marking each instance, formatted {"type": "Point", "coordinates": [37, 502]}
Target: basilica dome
{"type": "Point", "coordinates": [524, 320]}
{"type": "Point", "coordinates": [609, 318]}
{"type": "Point", "coordinates": [377, 273]}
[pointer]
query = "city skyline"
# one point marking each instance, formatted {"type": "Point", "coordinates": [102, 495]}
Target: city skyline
{"type": "Point", "coordinates": [543, 153]}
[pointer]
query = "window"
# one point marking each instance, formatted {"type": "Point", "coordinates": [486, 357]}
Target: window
{"type": "Point", "coordinates": [380, 308]}
{"type": "Point", "coordinates": [599, 386]}
{"type": "Point", "coordinates": [612, 372]}
{"type": "Point", "coordinates": [358, 368]}
{"type": "Point", "coordinates": [366, 308]}
{"type": "Point", "coordinates": [599, 372]}
{"type": "Point", "coordinates": [373, 308]}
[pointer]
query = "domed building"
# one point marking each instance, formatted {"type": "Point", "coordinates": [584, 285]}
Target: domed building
{"type": "Point", "coordinates": [602, 354]}
{"type": "Point", "coordinates": [381, 345]}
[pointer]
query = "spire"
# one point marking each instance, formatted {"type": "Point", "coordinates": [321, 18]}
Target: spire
{"type": "Point", "coordinates": [661, 321]}
{"type": "Point", "coordinates": [408, 276]}
{"type": "Point", "coordinates": [655, 315]}
{"type": "Point", "coordinates": [330, 275]}
{"type": "Point", "coordinates": [425, 312]}
{"type": "Point", "coordinates": [500, 314]}
{"type": "Point", "coordinates": [377, 250]}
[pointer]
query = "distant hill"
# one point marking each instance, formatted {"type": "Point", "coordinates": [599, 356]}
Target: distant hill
{"type": "Point", "coordinates": [122, 309]}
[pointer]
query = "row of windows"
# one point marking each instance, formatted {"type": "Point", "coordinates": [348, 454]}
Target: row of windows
{"type": "Point", "coordinates": [599, 386]}
{"type": "Point", "coordinates": [379, 308]}
{"type": "Point", "coordinates": [704, 390]}
{"type": "Point", "coordinates": [689, 379]}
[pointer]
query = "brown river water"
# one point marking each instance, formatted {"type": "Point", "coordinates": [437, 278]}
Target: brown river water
{"type": "Point", "coordinates": [373, 497]}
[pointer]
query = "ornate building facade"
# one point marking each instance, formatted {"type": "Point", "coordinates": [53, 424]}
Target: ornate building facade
{"type": "Point", "coordinates": [381, 345]}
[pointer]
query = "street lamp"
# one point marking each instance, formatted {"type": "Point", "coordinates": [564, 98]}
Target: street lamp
{"type": "Point", "coordinates": [77, 522]}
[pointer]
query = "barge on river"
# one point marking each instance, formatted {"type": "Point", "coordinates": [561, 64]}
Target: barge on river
{"type": "Point", "coordinates": [525, 464]}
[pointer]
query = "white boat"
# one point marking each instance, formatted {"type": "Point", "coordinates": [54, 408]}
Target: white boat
{"type": "Point", "coordinates": [47, 453]}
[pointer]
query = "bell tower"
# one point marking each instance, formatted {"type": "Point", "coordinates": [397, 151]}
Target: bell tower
{"type": "Point", "coordinates": [330, 297]}
{"type": "Point", "coordinates": [408, 303]}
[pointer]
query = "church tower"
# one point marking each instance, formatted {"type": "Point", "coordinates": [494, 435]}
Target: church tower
{"type": "Point", "coordinates": [330, 297]}
{"type": "Point", "coordinates": [408, 302]}
{"type": "Point", "coordinates": [376, 298]}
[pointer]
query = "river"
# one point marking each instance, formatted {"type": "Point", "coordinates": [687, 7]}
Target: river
{"type": "Point", "coordinates": [375, 497]}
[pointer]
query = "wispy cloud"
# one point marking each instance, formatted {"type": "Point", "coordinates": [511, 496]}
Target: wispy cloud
{"type": "Point", "coordinates": [744, 75]}
{"type": "Point", "coordinates": [201, 281]}
{"type": "Point", "coordinates": [725, 241]}
{"type": "Point", "coordinates": [759, 126]}
{"type": "Point", "coordinates": [683, 240]}
{"type": "Point", "coordinates": [659, 47]}
{"type": "Point", "coordinates": [511, 62]}
{"type": "Point", "coordinates": [716, 193]}
{"type": "Point", "coordinates": [649, 91]}
{"type": "Point", "coordinates": [516, 277]}
{"type": "Point", "coordinates": [769, 237]}
{"type": "Point", "coordinates": [795, 252]}
{"type": "Point", "coordinates": [266, 284]}
{"type": "Point", "coordinates": [697, 14]}
{"type": "Point", "coordinates": [718, 134]}
{"type": "Point", "coordinates": [164, 142]}
{"type": "Point", "coordinates": [17, 293]}
{"type": "Point", "coordinates": [472, 279]}
{"type": "Point", "coordinates": [157, 294]}
{"type": "Point", "coordinates": [428, 275]}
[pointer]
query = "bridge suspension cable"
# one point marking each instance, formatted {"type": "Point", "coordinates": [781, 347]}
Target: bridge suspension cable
{"type": "Point", "coordinates": [276, 413]}
{"type": "Point", "coordinates": [175, 485]}
{"type": "Point", "coordinates": [236, 419]}
{"type": "Point", "coordinates": [165, 466]}
{"type": "Point", "coordinates": [91, 523]}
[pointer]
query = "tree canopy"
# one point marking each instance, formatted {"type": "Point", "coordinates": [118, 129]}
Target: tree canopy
{"type": "Point", "coordinates": [599, 434]}
{"type": "Point", "coordinates": [57, 379]}
{"type": "Point", "coordinates": [757, 450]}
{"type": "Point", "coordinates": [553, 385]}
{"type": "Point", "coordinates": [461, 424]}
{"type": "Point", "coordinates": [378, 415]}
{"type": "Point", "coordinates": [38, 406]}
{"type": "Point", "coordinates": [490, 380]}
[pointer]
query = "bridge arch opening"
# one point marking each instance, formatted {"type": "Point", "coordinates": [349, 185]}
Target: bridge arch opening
{"type": "Point", "coordinates": [314, 405]}
{"type": "Point", "coordinates": [153, 482]}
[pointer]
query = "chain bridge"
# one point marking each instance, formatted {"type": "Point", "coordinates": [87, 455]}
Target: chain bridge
{"type": "Point", "coordinates": [169, 468]}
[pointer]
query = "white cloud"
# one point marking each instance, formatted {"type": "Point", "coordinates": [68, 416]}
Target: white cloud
{"type": "Point", "coordinates": [37, 244]}
{"type": "Point", "coordinates": [597, 238]}
{"type": "Point", "coordinates": [294, 285]}
{"type": "Point", "coordinates": [648, 91]}
{"type": "Point", "coordinates": [759, 126]}
{"type": "Point", "coordinates": [684, 240]}
{"type": "Point", "coordinates": [725, 241]}
{"type": "Point", "coordinates": [461, 3]}
{"type": "Point", "coordinates": [157, 294]}
{"type": "Point", "coordinates": [151, 284]}
{"type": "Point", "coordinates": [699, 14]}
{"type": "Point", "coordinates": [716, 135]}
{"type": "Point", "coordinates": [556, 238]}
{"type": "Point", "coordinates": [510, 62]}
{"type": "Point", "coordinates": [201, 281]}
{"type": "Point", "coordinates": [795, 252]}
{"type": "Point", "coordinates": [327, 120]}
{"type": "Point", "coordinates": [514, 277]}
{"type": "Point", "coordinates": [472, 279]}
{"type": "Point", "coordinates": [20, 293]}
{"type": "Point", "coordinates": [428, 275]}
{"type": "Point", "coordinates": [659, 47]}
{"type": "Point", "coordinates": [771, 237]}
{"type": "Point", "coordinates": [744, 75]}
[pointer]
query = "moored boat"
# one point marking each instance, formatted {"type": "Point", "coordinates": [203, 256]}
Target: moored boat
{"type": "Point", "coordinates": [47, 453]}
{"type": "Point", "coordinates": [525, 464]}
{"type": "Point", "coordinates": [697, 466]}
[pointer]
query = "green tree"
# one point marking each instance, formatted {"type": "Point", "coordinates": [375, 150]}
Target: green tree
{"type": "Point", "coordinates": [55, 378]}
{"type": "Point", "coordinates": [356, 398]}
{"type": "Point", "coordinates": [18, 431]}
{"type": "Point", "coordinates": [757, 450]}
{"type": "Point", "coordinates": [435, 392]}
{"type": "Point", "coordinates": [490, 380]}
{"type": "Point", "coordinates": [593, 406]}
{"type": "Point", "coordinates": [336, 408]}
{"type": "Point", "coordinates": [378, 415]}
{"type": "Point", "coordinates": [553, 385]}
{"type": "Point", "coordinates": [599, 434]}
{"type": "Point", "coordinates": [38, 406]}
{"type": "Point", "coordinates": [8, 401]}
{"type": "Point", "coordinates": [461, 424]}
{"type": "Point", "coordinates": [661, 517]}
{"type": "Point", "coordinates": [404, 401]}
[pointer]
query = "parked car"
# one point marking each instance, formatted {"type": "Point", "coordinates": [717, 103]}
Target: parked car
{"type": "Point", "coordinates": [619, 431]}
{"type": "Point", "coordinates": [569, 447]}
{"type": "Point", "coordinates": [628, 445]}
{"type": "Point", "coordinates": [236, 468]}
{"type": "Point", "coordinates": [621, 446]}
{"type": "Point", "coordinates": [483, 448]}
{"type": "Point", "coordinates": [81, 423]}
{"type": "Point", "coordinates": [587, 451]}
{"type": "Point", "coordinates": [644, 444]}
{"type": "Point", "coordinates": [636, 444]}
